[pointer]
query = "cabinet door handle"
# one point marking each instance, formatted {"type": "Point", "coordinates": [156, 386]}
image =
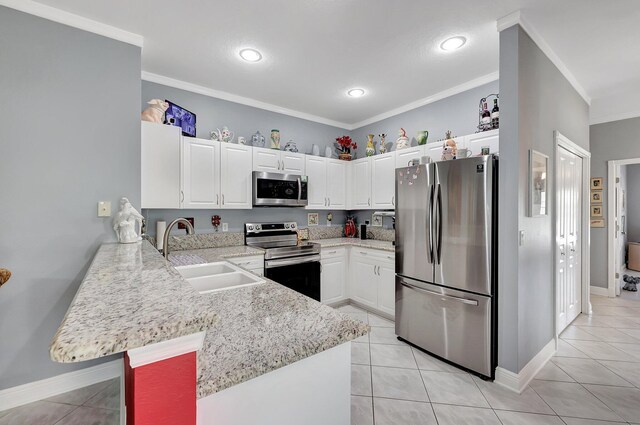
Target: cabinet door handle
{"type": "Point", "coordinates": [181, 196]}
{"type": "Point", "coordinates": [329, 202]}
{"type": "Point", "coordinates": [332, 252]}
{"type": "Point", "coordinates": [217, 199]}
{"type": "Point", "coordinates": [393, 200]}
{"type": "Point", "coordinates": [283, 164]}
{"type": "Point", "coordinates": [223, 199]}
{"type": "Point", "coordinates": [369, 201]}
{"type": "Point", "coordinates": [363, 253]}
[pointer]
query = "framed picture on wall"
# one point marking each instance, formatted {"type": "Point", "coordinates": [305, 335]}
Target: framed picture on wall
{"type": "Point", "coordinates": [596, 211]}
{"type": "Point", "coordinates": [596, 197]}
{"type": "Point", "coordinates": [312, 219]}
{"type": "Point", "coordinates": [538, 184]}
{"type": "Point", "coordinates": [596, 183]}
{"type": "Point", "coordinates": [597, 222]}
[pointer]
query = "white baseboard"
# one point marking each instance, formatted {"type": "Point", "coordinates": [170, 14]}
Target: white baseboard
{"type": "Point", "coordinates": [38, 390]}
{"type": "Point", "coordinates": [596, 290]}
{"type": "Point", "coordinates": [517, 382]}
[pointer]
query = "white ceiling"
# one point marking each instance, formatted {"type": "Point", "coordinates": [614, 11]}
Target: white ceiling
{"type": "Point", "coordinates": [314, 50]}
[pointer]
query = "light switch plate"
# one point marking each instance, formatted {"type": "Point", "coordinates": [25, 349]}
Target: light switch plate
{"type": "Point", "coordinates": [104, 209]}
{"type": "Point", "coordinates": [225, 227]}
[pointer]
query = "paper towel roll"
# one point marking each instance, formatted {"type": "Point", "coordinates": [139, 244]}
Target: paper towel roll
{"type": "Point", "coordinates": [161, 226]}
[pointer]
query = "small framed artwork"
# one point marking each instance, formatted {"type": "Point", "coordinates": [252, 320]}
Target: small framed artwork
{"type": "Point", "coordinates": [596, 211]}
{"type": "Point", "coordinates": [376, 220]}
{"type": "Point", "coordinates": [597, 222]}
{"type": "Point", "coordinates": [312, 219]}
{"type": "Point", "coordinates": [538, 183]}
{"type": "Point", "coordinates": [596, 197]}
{"type": "Point", "coordinates": [596, 183]}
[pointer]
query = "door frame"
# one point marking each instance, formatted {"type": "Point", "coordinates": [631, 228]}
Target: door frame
{"type": "Point", "coordinates": [612, 167]}
{"type": "Point", "coordinates": [563, 142]}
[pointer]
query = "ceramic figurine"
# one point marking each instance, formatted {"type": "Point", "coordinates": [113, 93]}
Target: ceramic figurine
{"type": "Point", "coordinates": [155, 112]}
{"type": "Point", "coordinates": [224, 135]}
{"type": "Point", "coordinates": [422, 137]}
{"type": "Point", "coordinates": [371, 148]}
{"type": "Point", "coordinates": [402, 142]}
{"type": "Point", "coordinates": [275, 139]}
{"type": "Point", "coordinates": [291, 146]}
{"type": "Point", "coordinates": [124, 223]}
{"type": "Point", "coordinates": [257, 140]}
{"type": "Point", "coordinates": [383, 146]}
{"type": "Point", "coordinates": [242, 140]}
{"type": "Point", "coordinates": [450, 148]}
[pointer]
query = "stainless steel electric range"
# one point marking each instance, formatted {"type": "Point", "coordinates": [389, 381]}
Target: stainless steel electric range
{"type": "Point", "coordinates": [292, 263]}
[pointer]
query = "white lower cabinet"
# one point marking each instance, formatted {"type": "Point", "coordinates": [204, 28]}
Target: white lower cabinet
{"type": "Point", "coordinates": [363, 285]}
{"type": "Point", "coordinates": [387, 285]}
{"type": "Point", "coordinates": [333, 276]}
{"type": "Point", "coordinates": [253, 263]}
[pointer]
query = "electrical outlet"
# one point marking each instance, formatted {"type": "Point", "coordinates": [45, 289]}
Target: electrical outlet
{"type": "Point", "coordinates": [104, 209]}
{"type": "Point", "coordinates": [225, 227]}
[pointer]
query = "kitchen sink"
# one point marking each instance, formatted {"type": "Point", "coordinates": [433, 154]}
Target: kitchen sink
{"type": "Point", "coordinates": [220, 276]}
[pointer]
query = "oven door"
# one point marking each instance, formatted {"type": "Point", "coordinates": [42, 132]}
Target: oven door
{"type": "Point", "coordinates": [302, 274]}
{"type": "Point", "coordinates": [279, 190]}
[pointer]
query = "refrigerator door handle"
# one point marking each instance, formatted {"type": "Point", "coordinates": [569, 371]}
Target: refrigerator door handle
{"type": "Point", "coordinates": [430, 224]}
{"type": "Point", "coordinates": [437, 294]}
{"type": "Point", "coordinates": [439, 204]}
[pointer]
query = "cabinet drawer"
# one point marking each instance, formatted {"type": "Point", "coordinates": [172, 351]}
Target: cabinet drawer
{"type": "Point", "coordinates": [249, 263]}
{"type": "Point", "coordinates": [375, 253]}
{"type": "Point", "coordinates": [333, 252]}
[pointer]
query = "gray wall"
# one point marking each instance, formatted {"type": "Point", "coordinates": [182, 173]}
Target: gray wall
{"type": "Point", "coordinates": [458, 113]}
{"type": "Point", "coordinates": [70, 137]}
{"type": "Point", "coordinates": [611, 140]}
{"type": "Point", "coordinates": [633, 202]}
{"type": "Point", "coordinates": [536, 101]}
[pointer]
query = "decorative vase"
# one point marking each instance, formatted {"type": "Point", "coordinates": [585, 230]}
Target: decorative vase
{"type": "Point", "coordinates": [275, 139]}
{"type": "Point", "coordinates": [257, 140]}
{"type": "Point", "coordinates": [402, 142]}
{"type": "Point", "coordinates": [371, 148]}
{"type": "Point", "coordinates": [383, 146]}
{"type": "Point", "coordinates": [345, 156]}
{"type": "Point", "coordinates": [422, 137]}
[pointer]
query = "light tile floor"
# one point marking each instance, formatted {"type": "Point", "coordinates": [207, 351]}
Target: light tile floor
{"type": "Point", "coordinates": [594, 379]}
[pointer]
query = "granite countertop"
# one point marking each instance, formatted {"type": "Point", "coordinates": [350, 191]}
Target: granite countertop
{"type": "Point", "coordinates": [367, 243]}
{"type": "Point", "coordinates": [130, 297]}
{"type": "Point", "coordinates": [211, 255]}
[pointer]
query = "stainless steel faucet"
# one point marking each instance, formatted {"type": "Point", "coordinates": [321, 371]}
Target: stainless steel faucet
{"type": "Point", "coordinates": [165, 238]}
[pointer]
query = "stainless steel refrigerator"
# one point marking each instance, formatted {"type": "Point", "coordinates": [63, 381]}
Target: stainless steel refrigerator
{"type": "Point", "coordinates": [445, 260]}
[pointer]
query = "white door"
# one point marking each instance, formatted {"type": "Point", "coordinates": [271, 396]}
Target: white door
{"type": "Point", "coordinates": [387, 286]}
{"type": "Point", "coordinates": [332, 279]}
{"type": "Point", "coordinates": [363, 279]}
{"type": "Point", "coordinates": [620, 226]}
{"type": "Point", "coordinates": [200, 173]}
{"type": "Point", "coordinates": [383, 183]}
{"type": "Point", "coordinates": [316, 168]}
{"type": "Point", "coordinates": [292, 163]}
{"type": "Point", "coordinates": [160, 166]}
{"type": "Point", "coordinates": [235, 176]}
{"type": "Point", "coordinates": [360, 184]}
{"type": "Point", "coordinates": [403, 156]}
{"type": "Point", "coordinates": [569, 194]}
{"type": "Point", "coordinates": [336, 184]}
{"type": "Point", "coordinates": [267, 160]}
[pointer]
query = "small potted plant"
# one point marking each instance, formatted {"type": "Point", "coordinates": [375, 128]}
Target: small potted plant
{"type": "Point", "coordinates": [344, 145]}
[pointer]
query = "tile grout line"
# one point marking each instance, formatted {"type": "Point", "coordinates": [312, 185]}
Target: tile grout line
{"type": "Point", "coordinates": [425, 386]}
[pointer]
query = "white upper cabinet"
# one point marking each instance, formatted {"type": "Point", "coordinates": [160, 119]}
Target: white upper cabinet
{"type": "Point", "coordinates": [236, 164]}
{"type": "Point", "coordinates": [359, 192]}
{"type": "Point", "coordinates": [316, 168]}
{"type": "Point", "coordinates": [293, 163]}
{"type": "Point", "coordinates": [200, 173]}
{"type": "Point", "coordinates": [266, 160]}
{"type": "Point", "coordinates": [403, 156]}
{"type": "Point", "coordinates": [383, 181]}
{"type": "Point", "coordinates": [433, 150]}
{"type": "Point", "coordinates": [336, 184]}
{"type": "Point", "coordinates": [160, 166]}
{"type": "Point", "coordinates": [489, 139]}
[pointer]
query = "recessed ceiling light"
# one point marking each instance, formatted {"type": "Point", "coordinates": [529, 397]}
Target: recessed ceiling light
{"type": "Point", "coordinates": [356, 92]}
{"type": "Point", "coordinates": [250, 55]}
{"type": "Point", "coordinates": [453, 43]}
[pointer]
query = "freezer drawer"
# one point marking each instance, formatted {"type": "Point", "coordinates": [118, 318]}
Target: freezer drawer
{"type": "Point", "coordinates": [454, 325]}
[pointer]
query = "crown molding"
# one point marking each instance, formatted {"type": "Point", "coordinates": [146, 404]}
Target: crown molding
{"type": "Point", "coordinates": [218, 94]}
{"type": "Point", "coordinates": [430, 99]}
{"type": "Point", "coordinates": [516, 18]}
{"type": "Point", "coordinates": [73, 20]}
{"type": "Point", "coordinates": [600, 119]}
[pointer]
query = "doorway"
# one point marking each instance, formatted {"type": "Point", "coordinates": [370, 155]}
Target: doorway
{"type": "Point", "coordinates": [572, 170]}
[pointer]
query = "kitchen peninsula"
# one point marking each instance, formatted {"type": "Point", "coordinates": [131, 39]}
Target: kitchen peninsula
{"type": "Point", "coordinates": [263, 346]}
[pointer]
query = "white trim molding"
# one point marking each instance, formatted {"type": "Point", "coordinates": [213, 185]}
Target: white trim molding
{"type": "Point", "coordinates": [165, 350]}
{"type": "Point", "coordinates": [45, 388]}
{"type": "Point", "coordinates": [477, 82]}
{"type": "Point", "coordinates": [597, 290]}
{"type": "Point", "coordinates": [516, 18]}
{"type": "Point", "coordinates": [517, 382]}
{"type": "Point", "coordinates": [219, 94]}
{"type": "Point", "coordinates": [76, 21]}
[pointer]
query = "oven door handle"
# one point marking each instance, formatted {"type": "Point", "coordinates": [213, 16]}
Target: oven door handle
{"type": "Point", "coordinates": [269, 264]}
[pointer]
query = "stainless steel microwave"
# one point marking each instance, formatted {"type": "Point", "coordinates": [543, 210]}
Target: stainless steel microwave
{"type": "Point", "coordinates": [279, 190]}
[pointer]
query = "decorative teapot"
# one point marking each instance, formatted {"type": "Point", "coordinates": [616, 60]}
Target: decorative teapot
{"type": "Point", "coordinates": [224, 135]}
{"type": "Point", "coordinates": [257, 140]}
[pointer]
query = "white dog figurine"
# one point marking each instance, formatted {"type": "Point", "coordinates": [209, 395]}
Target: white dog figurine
{"type": "Point", "coordinates": [155, 112]}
